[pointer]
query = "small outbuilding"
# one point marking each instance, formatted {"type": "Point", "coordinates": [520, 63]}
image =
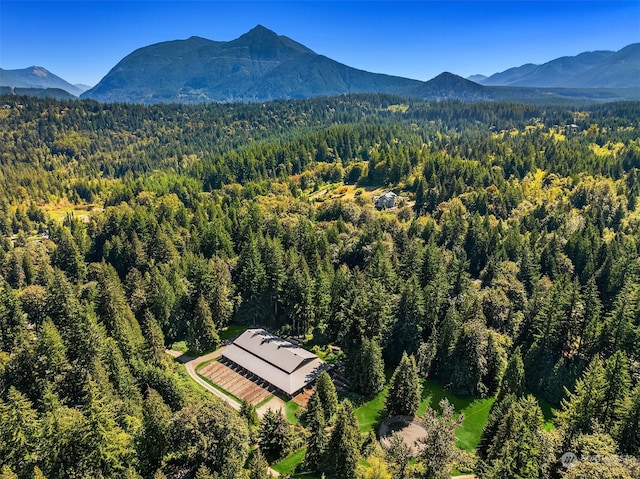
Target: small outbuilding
{"type": "Point", "coordinates": [386, 200]}
{"type": "Point", "coordinates": [287, 367]}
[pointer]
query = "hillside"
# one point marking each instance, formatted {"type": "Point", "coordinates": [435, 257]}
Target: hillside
{"type": "Point", "coordinates": [36, 77]}
{"type": "Point", "coordinates": [37, 92]}
{"type": "Point", "coordinates": [260, 65]}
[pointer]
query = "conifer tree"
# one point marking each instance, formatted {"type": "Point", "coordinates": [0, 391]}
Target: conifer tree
{"type": "Point", "coordinates": [616, 390]}
{"type": "Point", "coordinates": [516, 450]}
{"type": "Point", "coordinates": [365, 368]}
{"type": "Point", "coordinates": [317, 439]}
{"type": "Point", "coordinates": [203, 472]}
{"type": "Point", "coordinates": [629, 430]}
{"type": "Point", "coordinates": [151, 443]}
{"type": "Point", "coordinates": [154, 340]}
{"type": "Point", "coordinates": [469, 361]}
{"type": "Point", "coordinates": [19, 432]}
{"type": "Point", "coordinates": [202, 330]}
{"type": "Point", "coordinates": [399, 455]}
{"type": "Point", "coordinates": [275, 435]}
{"type": "Point", "coordinates": [407, 330]}
{"type": "Point", "coordinates": [585, 404]}
{"type": "Point", "coordinates": [67, 255]}
{"type": "Point", "coordinates": [439, 449]}
{"type": "Point", "coordinates": [37, 473]}
{"type": "Point", "coordinates": [251, 280]}
{"type": "Point", "coordinates": [344, 445]}
{"type": "Point", "coordinates": [7, 473]}
{"type": "Point", "coordinates": [403, 397]}
{"type": "Point", "coordinates": [498, 411]}
{"type": "Point", "coordinates": [327, 395]}
{"type": "Point", "coordinates": [12, 325]}
{"type": "Point", "coordinates": [115, 313]}
{"type": "Point", "coordinates": [513, 378]}
{"type": "Point", "coordinates": [258, 466]}
{"type": "Point", "coordinates": [248, 411]}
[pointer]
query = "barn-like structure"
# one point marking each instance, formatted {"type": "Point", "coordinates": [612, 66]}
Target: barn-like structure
{"type": "Point", "coordinates": [287, 367]}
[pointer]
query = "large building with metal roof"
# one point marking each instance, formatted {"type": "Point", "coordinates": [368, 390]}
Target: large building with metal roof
{"type": "Point", "coordinates": [287, 367]}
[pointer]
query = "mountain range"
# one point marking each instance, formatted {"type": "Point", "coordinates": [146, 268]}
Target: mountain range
{"type": "Point", "coordinates": [262, 65]}
{"type": "Point", "coordinates": [599, 69]}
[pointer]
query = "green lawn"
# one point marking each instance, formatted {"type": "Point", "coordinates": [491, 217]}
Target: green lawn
{"type": "Point", "coordinates": [290, 409]}
{"type": "Point", "coordinates": [289, 463]}
{"type": "Point", "coordinates": [475, 411]}
{"type": "Point", "coordinates": [371, 413]}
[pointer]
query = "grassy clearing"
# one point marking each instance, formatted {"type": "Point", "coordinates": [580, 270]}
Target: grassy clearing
{"type": "Point", "coordinates": [290, 409]}
{"type": "Point", "coordinates": [345, 192]}
{"type": "Point", "coordinates": [371, 413]}
{"type": "Point", "coordinates": [475, 411]}
{"type": "Point", "coordinates": [289, 463]}
{"type": "Point", "coordinates": [400, 107]}
{"type": "Point", "coordinates": [59, 211]}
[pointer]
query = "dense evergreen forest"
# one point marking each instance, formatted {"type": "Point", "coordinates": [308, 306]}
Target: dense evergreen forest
{"type": "Point", "coordinates": [508, 269]}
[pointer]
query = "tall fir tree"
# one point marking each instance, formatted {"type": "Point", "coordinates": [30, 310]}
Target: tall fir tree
{"type": "Point", "coordinates": [365, 368]}
{"type": "Point", "coordinates": [407, 329]}
{"type": "Point", "coordinates": [275, 435]}
{"type": "Point", "coordinates": [202, 330]}
{"type": "Point", "coordinates": [628, 433]}
{"type": "Point", "coordinates": [585, 404]}
{"type": "Point", "coordinates": [343, 450]}
{"type": "Point", "coordinates": [516, 450]}
{"type": "Point", "coordinates": [513, 378]}
{"type": "Point", "coordinates": [317, 437]}
{"type": "Point", "coordinates": [404, 393]}
{"type": "Point", "coordinates": [439, 446]}
{"type": "Point", "coordinates": [327, 395]}
{"type": "Point", "coordinates": [616, 391]}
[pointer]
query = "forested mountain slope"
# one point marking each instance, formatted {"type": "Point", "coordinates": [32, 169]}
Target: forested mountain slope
{"type": "Point", "coordinates": [262, 65]}
{"type": "Point", "coordinates": [259, 65]}
{"type": "Point", "coordinates": [509, 268]}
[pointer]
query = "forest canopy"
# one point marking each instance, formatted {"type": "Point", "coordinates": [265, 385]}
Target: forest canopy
{"type": "Point", "coordinates": [507, 268]}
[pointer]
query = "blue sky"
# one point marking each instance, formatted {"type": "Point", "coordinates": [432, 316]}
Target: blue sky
{"type": "Point", "coordinates": [81, 41]}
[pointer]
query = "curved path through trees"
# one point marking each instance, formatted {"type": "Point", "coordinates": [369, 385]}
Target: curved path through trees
{"type": "Point", "coordinates": [191, 364]}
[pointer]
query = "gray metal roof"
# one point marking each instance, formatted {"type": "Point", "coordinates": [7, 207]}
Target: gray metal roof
{"type": "Point", "coordinates": [277, 361]}
{"type": "Point", "coordinates": [277, 351]}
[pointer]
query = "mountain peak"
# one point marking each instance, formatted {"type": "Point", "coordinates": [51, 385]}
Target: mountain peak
{"type": "Point", "coordinates": [39, 71]}
{"type": "Point", "coordinates": [261, 29]}
{"type": "Point", "coordinates": [35, 77]}
{"type": "Point", "coordinates": [259, 32]}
